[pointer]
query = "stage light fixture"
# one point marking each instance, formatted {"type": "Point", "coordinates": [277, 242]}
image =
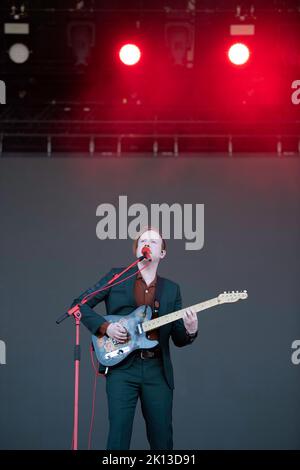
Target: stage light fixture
{"type": "Point", "coordinates": [238, 54]}
{"type": "Point", "coordinates": [81, 38]}
{"type": "Point", "coordinates": [18, 53]}
{"type": "Point", "coordinates": [130, 54]}
{"type": "Point", "coordinates": [180, 38]}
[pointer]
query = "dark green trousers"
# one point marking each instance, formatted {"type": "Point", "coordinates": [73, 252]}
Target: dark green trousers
{"type": "Point", "coordinates": [143, 379]}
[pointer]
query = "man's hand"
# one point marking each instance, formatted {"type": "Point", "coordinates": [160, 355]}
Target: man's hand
{"type": "Point", "coordinates": [190, 320]}
{"type": "Point", "coordinates": [118, 332]}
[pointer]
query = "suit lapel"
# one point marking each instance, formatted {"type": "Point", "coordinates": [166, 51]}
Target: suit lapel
{"type": "Point", "coordinates": [130, 287]}
{"type": "Point", "coordinates": [160, 294]}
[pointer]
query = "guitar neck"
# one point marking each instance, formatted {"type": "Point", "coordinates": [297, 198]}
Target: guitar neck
{"type": "Point", "coordinates": [170, 317]}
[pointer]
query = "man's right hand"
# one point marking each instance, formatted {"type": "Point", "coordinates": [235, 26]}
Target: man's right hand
{"type": "Point", "coordinates": [117, 331]}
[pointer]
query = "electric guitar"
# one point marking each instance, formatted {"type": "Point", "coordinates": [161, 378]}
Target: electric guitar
{"type": "Point", "coordinates": [110, 352]}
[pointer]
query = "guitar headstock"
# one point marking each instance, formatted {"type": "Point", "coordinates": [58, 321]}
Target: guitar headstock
{"type": "Point", "coordinates": [234, 296]}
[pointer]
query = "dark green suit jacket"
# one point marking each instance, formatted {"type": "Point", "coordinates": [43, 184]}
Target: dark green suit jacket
{"type": "Point", "coordinates": [119, 300]}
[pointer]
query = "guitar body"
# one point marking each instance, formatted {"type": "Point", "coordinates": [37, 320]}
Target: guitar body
{"type": "Point", "coordinates": [109, 352]}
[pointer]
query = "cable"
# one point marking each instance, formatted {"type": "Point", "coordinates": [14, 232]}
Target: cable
{"type": "Point", "coordinates": [107, 286]}
{"type": "Point", "coordinates": [97, 374]}
{"type": "Point", "coordinates": [93, 399]}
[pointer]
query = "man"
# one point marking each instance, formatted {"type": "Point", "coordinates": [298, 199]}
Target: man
{"type": "Point", "coordinates": [144, 374]}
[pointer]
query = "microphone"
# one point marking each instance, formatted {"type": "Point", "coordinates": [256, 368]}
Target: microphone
{"type": "Point", "coordinates": [146, 252]}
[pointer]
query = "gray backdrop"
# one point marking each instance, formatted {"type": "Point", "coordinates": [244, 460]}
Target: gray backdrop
{"type": "Point", "coordinates": [236, 386]}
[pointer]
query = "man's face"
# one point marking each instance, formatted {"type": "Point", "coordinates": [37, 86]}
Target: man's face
{"type": "Point", "coordinates": [154, 241]}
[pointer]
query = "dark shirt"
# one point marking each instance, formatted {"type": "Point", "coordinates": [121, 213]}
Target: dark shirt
{"type": "Point", "coordinates": [145, 295]}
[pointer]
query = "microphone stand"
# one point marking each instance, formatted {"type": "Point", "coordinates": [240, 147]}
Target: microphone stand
{"type": "Point", "coordinates": [75, 312]}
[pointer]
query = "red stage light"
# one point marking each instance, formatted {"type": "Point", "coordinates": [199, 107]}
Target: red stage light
{"type": "Point", "coordinates": [130, 54]}
{"type": "Point", "coordinates": [238, 54]}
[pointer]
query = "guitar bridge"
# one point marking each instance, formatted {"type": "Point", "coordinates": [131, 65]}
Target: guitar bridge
{"type": "Point", "coordinates": [117, 352]}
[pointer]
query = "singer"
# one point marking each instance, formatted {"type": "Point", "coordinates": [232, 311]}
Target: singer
{"type": "Point", "coordinates": [145, 374]}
